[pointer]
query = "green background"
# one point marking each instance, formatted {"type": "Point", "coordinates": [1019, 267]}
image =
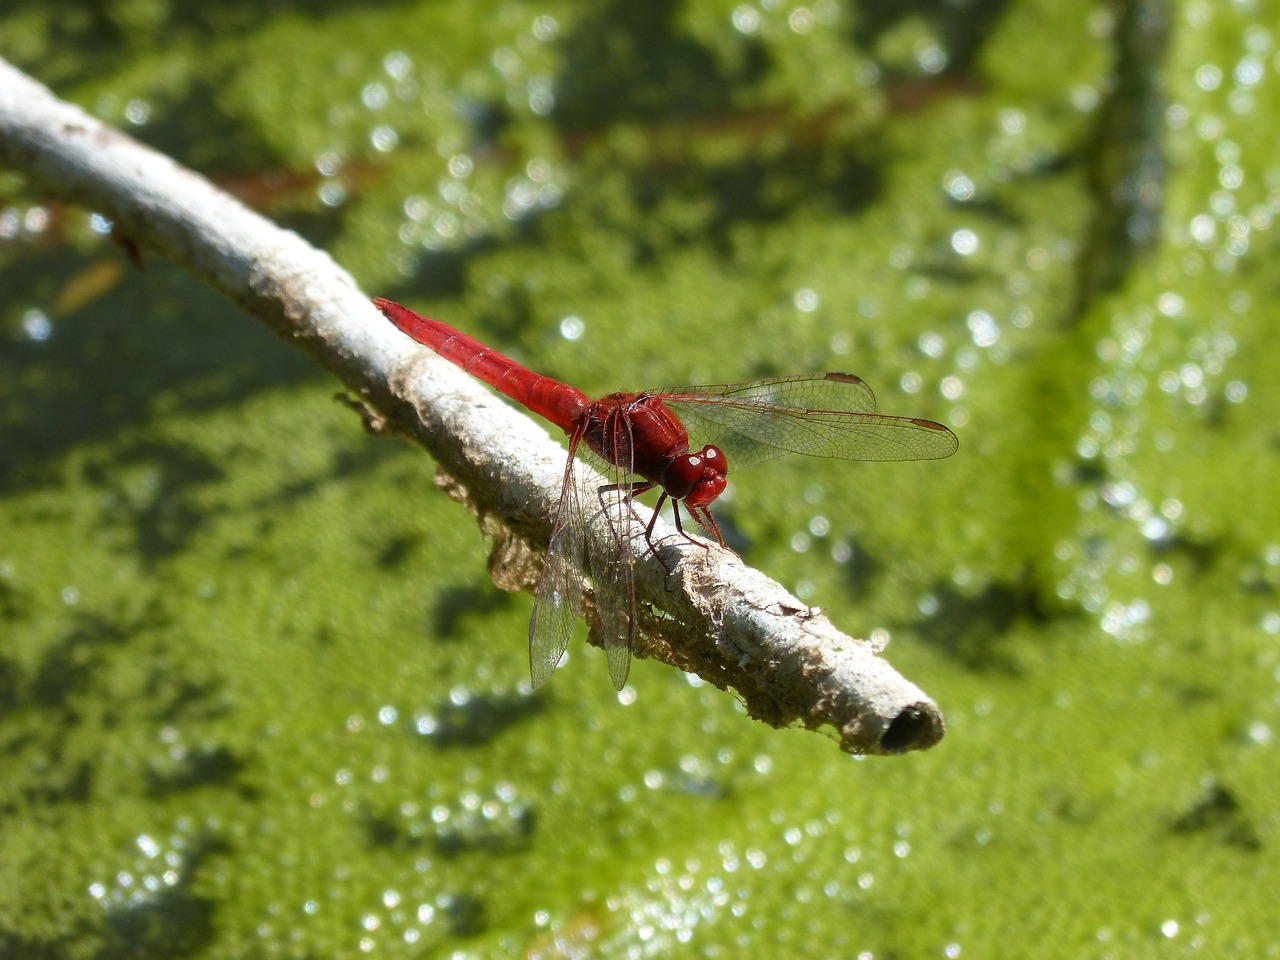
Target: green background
{"type": "Point", "coordinates": [257, 695]}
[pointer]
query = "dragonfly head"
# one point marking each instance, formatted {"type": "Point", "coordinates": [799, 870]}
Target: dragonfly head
{"type": "Point", "coordinates": [697, 478]}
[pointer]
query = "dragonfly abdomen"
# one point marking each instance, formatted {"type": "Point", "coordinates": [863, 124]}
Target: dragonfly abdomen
{"type": "Point", "coordinates": [545, 396]}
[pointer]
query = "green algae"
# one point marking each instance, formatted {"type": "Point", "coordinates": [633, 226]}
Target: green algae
{"type": "Point", "coordinates": [257, 696]}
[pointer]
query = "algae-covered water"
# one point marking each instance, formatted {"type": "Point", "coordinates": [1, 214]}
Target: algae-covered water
{"type": "Point", "coordinates": [258, 697]}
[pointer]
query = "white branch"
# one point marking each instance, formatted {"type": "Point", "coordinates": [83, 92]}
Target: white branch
{"type": "Point", "coordinates": [722, 619]}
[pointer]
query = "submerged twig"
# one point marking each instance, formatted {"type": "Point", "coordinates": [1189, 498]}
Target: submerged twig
{"type": "Point", "coordinates": [717, 617]}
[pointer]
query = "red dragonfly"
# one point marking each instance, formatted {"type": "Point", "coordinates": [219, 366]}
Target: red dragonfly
{"type": "Point", "coordinates": [644, 444]}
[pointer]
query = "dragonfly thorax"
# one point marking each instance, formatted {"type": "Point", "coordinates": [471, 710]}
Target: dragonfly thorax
{"type": "Point", "coordinates": [696, 478]}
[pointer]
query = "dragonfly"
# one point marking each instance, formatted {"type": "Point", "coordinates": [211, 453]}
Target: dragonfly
{"type": "Point", "coordinates": [641, 442]}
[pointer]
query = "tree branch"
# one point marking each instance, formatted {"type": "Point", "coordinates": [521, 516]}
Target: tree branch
{"type": "Point", "coordinates": [723, 620]}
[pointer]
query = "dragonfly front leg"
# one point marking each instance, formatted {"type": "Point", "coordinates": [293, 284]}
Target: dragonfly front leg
{"type": "Point", "coordinates": [708, 521]}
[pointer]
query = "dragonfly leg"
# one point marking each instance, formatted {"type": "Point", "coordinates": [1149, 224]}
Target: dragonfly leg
{"type": "Point", "coordinates": [708, 521]}
{"type": "Point", "coordinates": [648, 533]}
{"type": "Point", "coordinates": [632, 490]}
{"type": "Point", "coordinates": [703, 518]}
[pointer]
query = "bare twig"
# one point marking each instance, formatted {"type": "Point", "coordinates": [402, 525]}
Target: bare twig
{"type": "Point", "coordinates": [722, 620]}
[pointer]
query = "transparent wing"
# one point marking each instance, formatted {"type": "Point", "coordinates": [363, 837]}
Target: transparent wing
{"type": "Point", "coordinates": [819, 391]}
{"type": "Point", "coordinates": [573, 553]}
{"type": "Point", "coordinates": [558, 601]}
{"type": "Point", "coordinates": [611, 561]}
{"type": "Point", "coordinates": [817, 415]}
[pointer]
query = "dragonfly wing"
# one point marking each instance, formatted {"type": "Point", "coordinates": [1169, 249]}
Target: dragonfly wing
{"type": "Point", "coordinates": [558, 602]}
{"type": "Point", "coordinates": [817, 415]}
{"type": "Point", "coordinates": [817, 391]}
{"type": "Point", "coordinates": [610, 560]}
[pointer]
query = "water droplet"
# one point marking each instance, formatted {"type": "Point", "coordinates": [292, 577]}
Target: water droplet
{"type": "Point", "coordinates": [541, 95]}
{"type": "Point", "coordinates": [374, 96]}
{"type": "Point", "coordinates": [746, 19]}
{"type": "Point", "coordinates": [1085, 97]}
{"type": "Point", "coordinates": [398, 65]}
{"type": "Point", "coordinates": [37, 220]}
{"type": "Point", "coordinates": [964, 242]}
{"type": "Point", "coordinates": [1012, 121]}
{"type": "Point", "coordinates": [36, 326]}
{"type": "Point", "coordinates": [446, 225]}
{"type": "Point", "coordinates": [384, 139]}
{"type": "Point", "coordinates": [545, 27]}
{"type": "Point", "coordinates": [931, 57]}
{"type": "Point", "coordinates": [983, 327]}
{"type": "Point", "coordinates": [957, 185]}
{"type": "Point", "coordinates": [332, 194]}
{"type": "Point", "coordinates": [800, 20]}
{"type": "Point", "coordinates": [805, 300]}
{"type": "Point", "coordinates": [137, 112]}
{"type": "Point", "coordinates": [1208, 76]}
{"type": "Point", "coordinates": [932, 345]}
{"type": "Point", "coordinates": [1155, 528]}
{"type": "Point", "coordinates": [572, 327]}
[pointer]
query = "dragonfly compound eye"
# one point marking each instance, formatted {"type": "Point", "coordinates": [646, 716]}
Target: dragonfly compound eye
{"type": "Point", "coordinates": [696, 478]}
{"type": "Point", "coordinates": [715, 460]}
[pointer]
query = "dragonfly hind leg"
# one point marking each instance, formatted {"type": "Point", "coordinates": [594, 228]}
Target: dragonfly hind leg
{"type": "Point", "coordinates": [630, 491]}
